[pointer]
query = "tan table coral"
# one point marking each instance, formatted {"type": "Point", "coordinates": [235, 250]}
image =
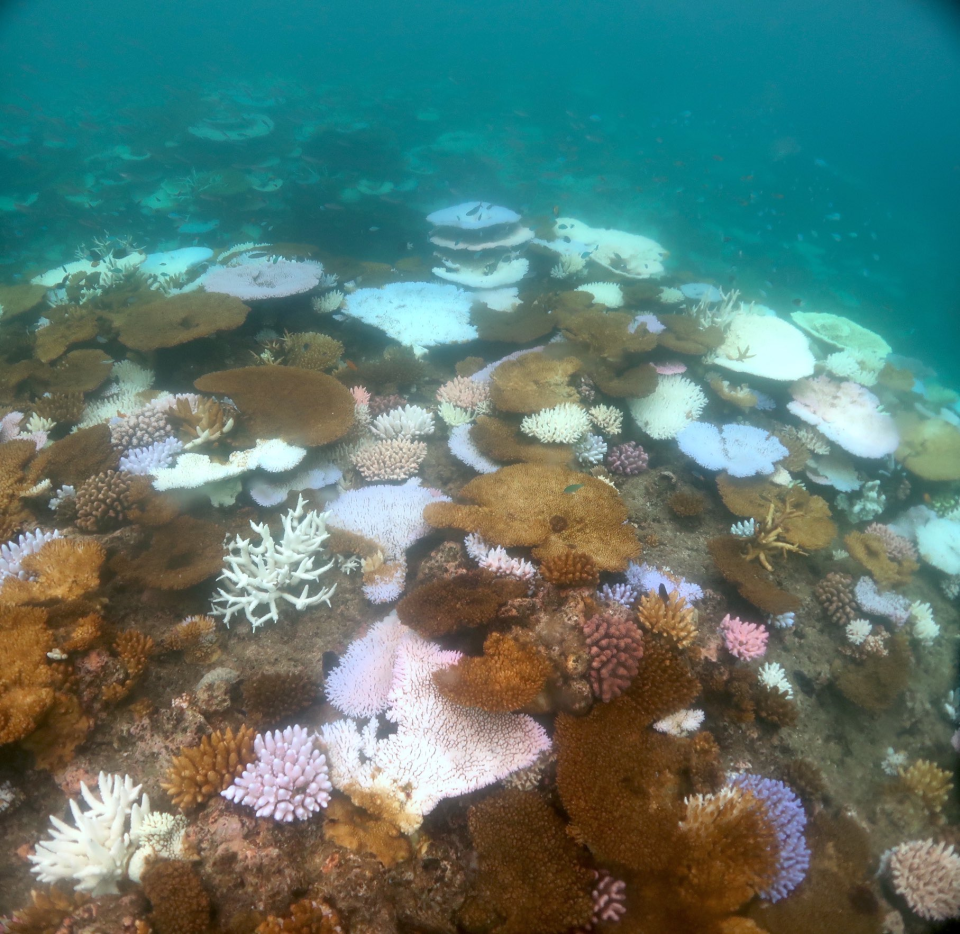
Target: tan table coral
{"type": "Point", "coordinates": [550, 509]}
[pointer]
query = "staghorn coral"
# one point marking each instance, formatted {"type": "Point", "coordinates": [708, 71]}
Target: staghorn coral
{"type": "Point", "coordinates": [532, 878]}
{"type": "Point", "coordinates": [307, 916]}
{"type": "Point", "coordinates": [616, 647]}
{"type": "Point", "coordinates": [570, 569]}
{"type": "Point", "coordinates": [179, 902]}
{"type": "Point", "coordinates": [871, 552]}
{"type": "Point", "coordinates": [671, 618]}
{"type": "Point", "coordinates": [104, 501]}
{"type": "Point", "coordinates": [529, 504]}
{"type": "Point", "coordinates": [508, 676]}
{"type": "Point", "coordinates": [929, 785]}
{"type": "Point", "coordinates": [835, 595]}
{"type": "Point", "coordinates": [203, 771]}
{"type": "Point", "coordinates": [753, 585]}
{"type": "Point", "coordinates": [303, 407]}
{"type": "Point", "coordinates": [272, 696]}
{"type": "Point", "coordinates": [448, 604]}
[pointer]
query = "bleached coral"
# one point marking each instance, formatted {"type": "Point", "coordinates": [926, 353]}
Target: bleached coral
{"type": "Point", "coordinates": [411, 421]}
{"type": "Point", "coordinates": [93, 854]}
{"type": "Point", "coordinates": [607, 418]}
{"type": "Point", "coordinates": [13, 552]}
{"type": "Point", "coordinates": [675, 403]}
{"type": "Point", "coordinates": [396, 459]}
{"type": "Point", "coordinates": [562, 424]}
{"type": "Point", "coordinates": [569, 264]}
{"type": "Point", "coordinates": [868, 505]}
{"type": "Point", "coordinates": [161, 835]}
{"type": "Point", "coordinates": [680, 723]}
{"type": "Point", "coordinates": [590, 449]}
{"type": "Point", "coordinates": [773, 676]}
{"type": "Point", "coordinates": [288, 779]}
{"type": "Point", "coordinates": [438, 749]}
{"type": "Point", "coordinates": [328, 302]}
{"type": "Point", "coordinates": [927, 875]}
{"type": "Point", "coordinates": [745, 528]}
{"type": "Point", "coordinates": [466, 393]}
{"type": "Point", "coordinates": [463, 449]}
{"type": "Point", "coordinates": [497, 559]}
{"type": "Point", "coordinates": [858, 631]}
{"type": "Point", "coordinates": [925, 627]}
{"type": "Point", "coordinates": [258, 577]}
{"type": "Point", "coordinates": [604, 293]}
{"type": "Point", "coordinates": [150, 459]}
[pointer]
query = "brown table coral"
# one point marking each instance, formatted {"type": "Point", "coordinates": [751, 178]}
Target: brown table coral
{"type": "Point", "coordinates": [549, 509]}
{"type": "Point", "coordinates": [302, 407]}
{"type": "Point", "coordinates": [178, 319]}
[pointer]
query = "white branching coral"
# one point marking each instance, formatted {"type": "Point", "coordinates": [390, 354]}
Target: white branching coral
{"type": "Point", "coordinates": [669, 408]}
{"type": "Point", "coordinates": [258, 577]}
{"type": "Point", "coordinates": [746, 528]}
{"type": "Point", "coordinates": [409, 422]}
{"type": "Point", "coordinates": [569, 264]}
{"type": "Point", "coordinates": [925, 627]}
{"type": "Point", "coordinates": [438, 750]}
{"type": "Point", "coordinates": [607, 418]}
{"type": "Point", "coordinates": [680, 723]}
{"type": "Point", "coordinates": [327, 303]}
{"type": "Point", "coordinates": [94, 853]}
{"type": "Point", "coordinates": [13, 552]}
{"type": "Point", "coordinates": [773, 677]}
{"type": "Point", "coordinates": [497, 559]}
{"type": "Point", "coordinates": [563, 424]}
{"type": "Point", "coordinates": [590, 449]}
{"type": "Point", "coordinates": [858, 631]}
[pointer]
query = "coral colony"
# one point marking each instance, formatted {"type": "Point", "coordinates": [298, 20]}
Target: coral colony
{"type": "Point", "coordinates": [563, 582]}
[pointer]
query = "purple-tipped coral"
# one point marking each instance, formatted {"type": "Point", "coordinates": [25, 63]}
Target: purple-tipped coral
{"type": "Point", "coordinates": [786, 813]}
{"type": "Point", "coordinates": [288, 780]}
{"type": "Point", "coordinates": [616, 647]}
{"type": "Point", "coordinates": [627, 459]}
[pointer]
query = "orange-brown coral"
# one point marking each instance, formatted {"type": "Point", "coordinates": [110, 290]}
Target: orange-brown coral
{"type": "Point", "coordinates": [528, 322]}
{"type": "Point", "coordinates": [71, 460]}
{"type": "Point", "coordinates": [272, 696]}
{"type": "Point", "coordinates": [64, 408]}
{"type": "Point", "coordinates": [532, 878]}
{"type": "Point", "coordinates": [741, 396]}
{"type": "Point", "coordinates": [178, 319]}
{"type": "Point", "coordinates": [606, 335]}
{"type": "Point", "coordinates": [48, 912]}
{"type": "Point", "coordinates": [134, 649]}
{"type": "Point", "coordinates": [352, 827]}
{"type": "Point", "coordinates": [529, 504]}
{"type": "Point", "coordinates": [103, 501]}
{"type": "Point", "coordinates": [671, 618]}
{"type": "Point", "coordinates": [685, 335]}
{"type": "Point", "coordinates": [63, 569]}
{"type": "Point", "coordinates": [177, 556]}
{"type": "Point", "coordinates": [750, 581]}
{"type": "Point", "coordinates": [208, 419]}
{"type": "Point", "coordinates": [506, 677]}
{"type": "Point", "coordinates": [631, 383]}
{"type": "Point", "coordinates": [533, 382]}
{"type": "Point", "coordinates": [300, 406]}
{"type": "Point", "coordinates": [869, 551]}
{"type": "Point", "coordinates": [448, 604]}
{"type": "Point", "coordinates": [26, 693]}
{"type": "Point", "coordinates": [503, 443]}
{"type": "Point", "coordinates": [307, 916]}
{"type": "Point", "coordinates": [179, 902]}
{"type": "Point", "coordinates": [64, 727]}
{"type": "Point", "coordinates": [19, 298]}
{"type": "Point", "coordinates": [77, 371]}
{"type": "Point", "coordinates": [570, 569]}
{"type": "Point", "coordinates": [14, 458]}
{"type": "Point", "coordinates": [68, 325]}
{"type": "Point", "coordinates": [202, 771]}
{"type": "Point", "coordinates": [311, 350]}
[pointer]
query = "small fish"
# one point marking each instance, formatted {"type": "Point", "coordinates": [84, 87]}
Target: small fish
{"type": "Point", "coordinates": [664, 596]}
{"type": "Point", "coordinates": [473, 210]}
{"type": "Point", "coordinates": [717, 158]}
{"type": "Point", "coordinates": [573, 488]}
{"type": "Point", "coordinates": [833, 217]}
{"type": "Point", "coordinates": [798, 302]}
{"type": "Point", "coordinates": [556, 210]}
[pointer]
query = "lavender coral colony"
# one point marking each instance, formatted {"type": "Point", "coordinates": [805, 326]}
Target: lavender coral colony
{"type": "Point", "coordinates": [549, 601]}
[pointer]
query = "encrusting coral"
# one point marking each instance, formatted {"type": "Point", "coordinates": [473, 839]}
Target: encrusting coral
{"type": "Point", "coordinates": [307, 916]}
{"type": "Point", "coordinates": [550, 509]}
{"type": "Point", "coordinates": [203, 771]}
{"type": "Point", "coordinates": [179, 902]}
{"type": "Point", "coordinates": [272, 696]}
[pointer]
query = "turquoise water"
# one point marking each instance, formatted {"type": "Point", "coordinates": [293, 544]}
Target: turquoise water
{"type": "Point", "coordinates": [803, 152]}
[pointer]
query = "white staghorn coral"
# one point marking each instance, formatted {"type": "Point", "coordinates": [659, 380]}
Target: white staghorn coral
{"type": "Point", "coordinates": [925, 627]}
{"type": "Point", "coordinates": [94, 853]}
{"type": "Point", "coordinates": [563, 424]}
{"type": "Point", "coordinates": [258, 577]}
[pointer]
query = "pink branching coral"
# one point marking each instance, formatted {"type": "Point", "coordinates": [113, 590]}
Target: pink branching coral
{"type": "Point", "coordinates": [745, 641]}
{"type": "Point", "coordinates": [395, 459]}
{"type": "Point", "coordinates": [10, 430]}
{"type": "Point", "coordinates": [361, 395]}
{"type": "Point", "coordinates": [609, 897]}
{"type": "Point", "coordinates": [927, 875]}
{"type": "Point", "coordinates": [670, 368]}
{"type": "Point", "coordinates": [627, 459]}
{"type": "Point", "coordinates": [616, 647]}
{"type": "Point", "coordinates": [465, 393]}
{"type": "Point", "coordinates": [288, 780]}
{"type": "Point", "coordinates": [896, 546]}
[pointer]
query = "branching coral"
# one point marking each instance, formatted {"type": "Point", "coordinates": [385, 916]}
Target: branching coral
{"type": "Point", "coordinates": [548, 508]}
{"type": "Point", "coordinates": [671, 618]}
{"type": "Point", "coordinates": [26, 680]}
{"type": "Point", "coordinates": [616, 647]}
{"type": "Point", "coordinates": [570, 569]}
{"type": "Point", "coordinates": [203, 771]}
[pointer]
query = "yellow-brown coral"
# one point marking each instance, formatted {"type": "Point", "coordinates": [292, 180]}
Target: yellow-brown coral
{"type": "Point", "coordinates": [929, 785]}
{"type": "Point", "coordinates": [550, 509]}
{"type": "Point", "coordinates": [26, 693]}
{"type": "Point", "coordinates": [352, 827]}
{"type": "Point", "coordinates": [63, 569]}
{"type": "Point", "coordinates": [508, 676]}
{"type": "Point", "coordinates": [671, 618]}
{"type": "Point", "coordinates": [503, 443]}
{"type": "Point", "coordinates": [178, 319]}
{"type": "Point", "coordinates": [727, 554]}
{"type": "Point", "coordinates": [133, 648]}
{"type": "Point", "coordinates": [202, 771]}
{"type": "Point", "coordinates": [311, 350]}
{"type": "Point", "coordinates": [533, 382]}
{"type": "Point", "coordinates": [272, 696]}
{"type": "Point", "coordinates": [14, 457]}
{"type": "Point", "coordinates": [570, 569]}
{"type": "Point", "coordinates": [869, 550]}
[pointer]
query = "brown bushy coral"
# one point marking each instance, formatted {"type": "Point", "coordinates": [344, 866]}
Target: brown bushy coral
{"type": "Point", "coordinates": [49, 913]}
{"type": "Point", "coordinates": [134, 649]}
{"type": "Point", "coordinates": [570, 569]}
{"type": "Point", "coordinates": [68, 325]}
{"type": "Point", "coordinates": [532, 878]}
{"type": "Point", "coordinates": [671, 618]}
{"type": "Point", "coordinates": [178, 319]}
{"type": "Point", "coordinates": [271, 696]}
{"type": "Point", "coordinates": [74, 458]}
{"type": "Point", "coordinates": [300, 406]}
{"type": "Point", "coordinates": [205, 419]}
{"type": "Point", "coordinates": [685, 335]}
{"type": "Point", "coordinates": [533, 382]}
{"type": "Point", "coordinates": [749, 578]}
{"type": "Point", "coordinates": [14, 457]}
{"type": "Point", "coordinates": [503, 443]}
{"type": "Point", "coordinates": [179, 902]}
{"type": "Point", "coordinates": [26, 679]}
{"type": "Point", "coordinates": [64, 408]}
{"type": "Point", "coordinates": [870, 551]}
{"type": "Point", "coordinates": [606, 335]}
{"type": "Point", "coordinates": [311, 350]}
{"type": "Point", "coordinates": [103, 501]}
{"type": "Point", "coordinates": [927, 784]}
{"type": "Point", "coordinates": [77, 371]}
{"type": "Point", "coordinates": [176, 556]}
{"type": "Point", "coordinates": [876, 681]}
{"type": "Point", "coordinates": [64, 727]}
{"type": "Point", "coordinates": [352, 827]}
{"type": "Point", "coordinates": [834, 593]}
{"type": "Point", "coordinates": [202, 771]}
{"type": "Point", "coordinates": [528, 504]}
{"type": "Point", "coordinates": [508, 676]}
{"type": "Point", "coordinates": [448, 604]}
